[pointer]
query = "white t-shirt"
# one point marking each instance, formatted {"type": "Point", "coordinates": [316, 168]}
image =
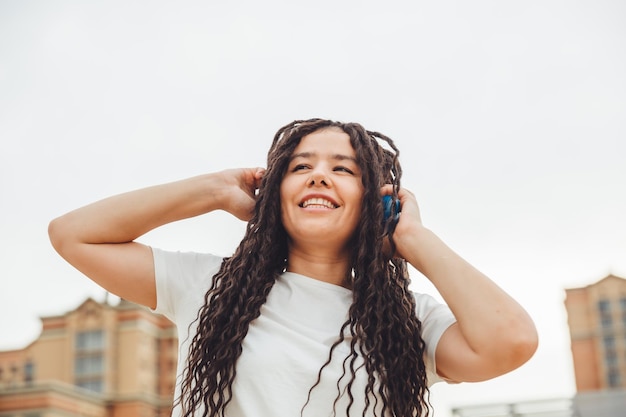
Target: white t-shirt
{"type": "Point", "coordinates": [288, 343]}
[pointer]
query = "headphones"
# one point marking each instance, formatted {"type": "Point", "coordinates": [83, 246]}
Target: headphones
{"type": "Point", "coordinates": [389, 209]}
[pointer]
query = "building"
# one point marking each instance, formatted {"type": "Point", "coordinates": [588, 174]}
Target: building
{"type": "Point", "coordinates": [597, 323]}
{"type": "Point", "coordinates": [98, 360]}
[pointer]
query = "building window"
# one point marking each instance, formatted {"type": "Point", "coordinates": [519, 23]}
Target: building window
{"type": "Point", "coordinates": [611, 358]}
{"type": "Point", "coordinates": [29, 372]}
{"type": "Point", "coordinates": [609, 343]}
{"type": "Point", "coordinates": [87, 366]}
{"type": "Point", "coordinates": [94, 385]}
{"type": "Point", "coordinates": [614, 379]}
{"type": "Point", "coordinates": [604, 306]}
{"type": "Point", "coordinates": [89, 360]}
{"type": "Point", "coordinates": [90, 341]}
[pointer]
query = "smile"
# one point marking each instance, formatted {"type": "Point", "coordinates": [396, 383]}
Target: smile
{"type": "Point", "coordinates": [317, 203]}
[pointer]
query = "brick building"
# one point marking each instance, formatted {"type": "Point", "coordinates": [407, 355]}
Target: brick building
{"type": "Point", "coordinates": [98, 360]}
{"type": "Point", "coordinates": [597, 323]}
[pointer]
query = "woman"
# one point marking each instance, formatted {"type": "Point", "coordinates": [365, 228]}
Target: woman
{"type": "Point", "coordinates": [312, 315]}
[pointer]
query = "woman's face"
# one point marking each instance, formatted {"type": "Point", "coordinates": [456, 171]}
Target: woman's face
{"type": "Point", "coordinates": [321, 193]}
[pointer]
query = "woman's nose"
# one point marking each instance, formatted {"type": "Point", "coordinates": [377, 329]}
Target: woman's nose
{"type": "Point", "coordinates": [319, 178]}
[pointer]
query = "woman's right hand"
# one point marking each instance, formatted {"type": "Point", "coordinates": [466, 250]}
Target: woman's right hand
{"type": "Point", "coordinates": [99, 239]}
{"type": "Point", "coordinates": [242, 183]}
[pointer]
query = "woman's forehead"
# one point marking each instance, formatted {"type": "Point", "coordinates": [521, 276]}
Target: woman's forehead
{"type": "Point", "coordinates": [326, 140]}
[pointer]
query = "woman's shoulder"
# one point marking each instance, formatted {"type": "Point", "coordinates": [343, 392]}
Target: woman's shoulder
{"type": "Point", "coordinates": [431, 312]}
{"type": "Point", "coordinates": [182, 276]}
{"type": "Point", "coordinates": [187, 259]}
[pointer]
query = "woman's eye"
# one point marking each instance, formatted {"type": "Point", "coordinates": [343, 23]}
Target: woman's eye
{"type": "Point", "coordinates": [299, 167]}
{"type": "Point", "coordinates": [344, 169]}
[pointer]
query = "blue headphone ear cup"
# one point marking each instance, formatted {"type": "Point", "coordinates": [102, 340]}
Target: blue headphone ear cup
{"type": "Point", "coordinates": [388, 202]}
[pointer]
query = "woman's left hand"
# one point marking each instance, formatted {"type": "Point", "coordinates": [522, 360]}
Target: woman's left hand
{"type": "Point", "coordinates": [493, 334]}
{"type": "Point", "coordinates": [409, 222]}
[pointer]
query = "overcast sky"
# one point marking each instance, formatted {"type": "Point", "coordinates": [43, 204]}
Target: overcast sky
{"type": "Point", "coordinates": [510, 117]}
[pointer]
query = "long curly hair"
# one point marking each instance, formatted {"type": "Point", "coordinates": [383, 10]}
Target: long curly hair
{"type": "Point", "coordinates": [382, 322]}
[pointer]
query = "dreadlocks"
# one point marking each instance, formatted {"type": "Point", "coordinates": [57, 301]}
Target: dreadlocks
{"type": "Point", "coordinates": [381, 322]}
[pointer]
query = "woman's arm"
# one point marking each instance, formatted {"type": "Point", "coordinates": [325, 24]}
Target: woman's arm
{"type": "Point", "coordinates": [493, 334]}
{"type": "Point", "coordinates": [98, 239]}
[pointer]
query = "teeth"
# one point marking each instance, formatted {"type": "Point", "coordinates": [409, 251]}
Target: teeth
{"type": "Point", "coordinates": [320, 202]}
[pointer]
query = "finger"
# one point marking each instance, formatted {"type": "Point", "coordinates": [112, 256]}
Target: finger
{"type": "Point", "coordinates": [386, 189]}
{"type": "Point", "coordinates": [258, 177]}
{"type": "Point", "coordinates": [259, 172]}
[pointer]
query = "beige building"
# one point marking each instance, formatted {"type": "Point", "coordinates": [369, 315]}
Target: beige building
{"type": "Point", "coordinates": [99, 360]}
{"type": "Point", "coordinates": [597, 324]}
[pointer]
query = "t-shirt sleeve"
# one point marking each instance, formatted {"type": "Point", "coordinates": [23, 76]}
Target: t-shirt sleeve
{"type": "Point", "coordinates": [435, 318]}
{"type": "Point", "coordinates": [182, 279]}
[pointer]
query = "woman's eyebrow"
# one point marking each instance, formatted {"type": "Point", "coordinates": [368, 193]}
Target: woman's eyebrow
{"type": "Point", "coordinates": [301, 155]}
{"type": "Point", "coordinates": [341, 157]}
{"type": "Point", "coordinates": [336, 156]}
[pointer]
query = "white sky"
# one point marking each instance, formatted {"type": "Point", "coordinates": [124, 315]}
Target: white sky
{"type": "Point", "coordinates": [511, 119]}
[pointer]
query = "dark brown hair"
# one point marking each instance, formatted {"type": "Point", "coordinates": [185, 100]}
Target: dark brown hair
{"type": "Point", "coordinates": [382, 320]}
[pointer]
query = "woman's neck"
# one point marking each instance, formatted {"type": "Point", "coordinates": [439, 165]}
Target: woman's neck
{"type": "Point", "coordinates": [321, 264]}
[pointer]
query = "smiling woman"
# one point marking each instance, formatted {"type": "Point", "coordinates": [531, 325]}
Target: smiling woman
{"type": "Point", "coordinates": [321, 198]}
{"type": "Point", "coordinates": [312, 314]}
